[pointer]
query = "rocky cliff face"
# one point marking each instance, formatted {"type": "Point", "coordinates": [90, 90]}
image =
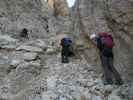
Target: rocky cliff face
{"type": "Point", "coordinates": [31, 69]}
{"type": "Point", "coordinates": [60, 7]}
{"type": "Point", "coordinates": [16, 15]}
{"type": "Point", "coordinates": [38, 16]}
{"type": "Point", "coordinates": [59, 20]}
{"type": "Point", "coordinates": [116, 17]}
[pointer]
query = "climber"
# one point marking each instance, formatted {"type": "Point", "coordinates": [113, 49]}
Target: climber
{"type": "Point", "coordinates": [104, 42]}
{"type": "Point", "coordinates": [24, 33]}
{"type": "Point", "coordinates": [66, 52]}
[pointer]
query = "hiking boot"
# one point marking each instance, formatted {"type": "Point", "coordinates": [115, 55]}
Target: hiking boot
{"type": "Point", "coordinates": [108, 82]}
{"type": "Point", "coordinates": [65, 60]}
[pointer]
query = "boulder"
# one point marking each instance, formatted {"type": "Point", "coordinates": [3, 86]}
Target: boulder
{"type": "Point", "coordinates": [51, 50]}
{"type": "Point", "coordinates": [7, 38]}
{"type": "Point", "coordinates": [29, 56]}
{"type": "Point", "coordinates": [40, 43]}
{"type": "Point", "coordinates": [15, 62]}
{"type": "Point", "coordinates": [7, 42]}
{"type": "Point", "coordinates": [114, 97]}
{"type": "Point", "coordinates": [109, 88]}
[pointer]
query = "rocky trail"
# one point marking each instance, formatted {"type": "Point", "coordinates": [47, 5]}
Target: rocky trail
{"type": "Point", "coordinates": [33, 71]}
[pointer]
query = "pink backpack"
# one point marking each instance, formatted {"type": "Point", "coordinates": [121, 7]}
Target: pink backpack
{"type": "Point", "coordinates": [107, 40]}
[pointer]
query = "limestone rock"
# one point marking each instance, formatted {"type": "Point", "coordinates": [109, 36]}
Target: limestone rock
{"type": "Point", "coordinates": [31, 67]}
{"type": "Point", "coordinates": [51, 81]}
{"type": "Point", "coordinates": [60, 7]}
{"type": "Point", "coordinates": [40, 43]}
{"type": "Point", "coordinates": [29, 56]}
{"type": "Point", "coordinates": [29, 48]}
{"type": "Point", "coordinates": [96, 98]}
{"type": "Point", "coordinates": [37, 43]}
{"type": "Point", "coordinates": [15, 62]}
{"type": "Point", "coordinates": [126, 91]}
{"type": "Point", "coordinates": [48, 95]}
{"type": "Point", "coordinates": [9, 47]}
{"type": "Point", "coordinates": [45, 96]}
{"type": "Point", "coordinates": [7, 38]}
{"type": "Point", "coordinates": [114, 97]}
{"type": "Point", "coordinates": [51, 50]}
{"type": "Point", "coordinates": [7, 42]}
{"type": "Point", "coordinates": [109, 88]}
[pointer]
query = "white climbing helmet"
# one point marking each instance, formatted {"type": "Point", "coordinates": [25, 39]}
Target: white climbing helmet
{"type": "Point", "coordinates": [93, 35]}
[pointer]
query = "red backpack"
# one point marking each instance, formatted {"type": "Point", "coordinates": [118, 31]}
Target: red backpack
{"type": "Point", "coordinates": [106, 39]}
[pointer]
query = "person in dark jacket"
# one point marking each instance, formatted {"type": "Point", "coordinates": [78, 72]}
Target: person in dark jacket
{"type": "Point", "coordinates": [106, 55]}
{"type": "Point", "coordinates": [65, 52]}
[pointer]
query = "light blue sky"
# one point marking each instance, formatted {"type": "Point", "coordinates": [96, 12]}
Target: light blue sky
{"type": "Point", "coordinates": [70, 2]}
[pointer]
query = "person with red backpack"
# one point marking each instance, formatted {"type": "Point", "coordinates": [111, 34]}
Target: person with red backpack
{"type": "Point", "coordinates": [105, 43]}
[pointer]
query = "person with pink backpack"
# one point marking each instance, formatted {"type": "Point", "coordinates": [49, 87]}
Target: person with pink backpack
{"type": "Point", "coordinates": [105, 43]}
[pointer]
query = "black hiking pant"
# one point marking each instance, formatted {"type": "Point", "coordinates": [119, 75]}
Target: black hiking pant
{"type": "Point", "coordinates": [109, 69]}
{"type": "Point", "coordinates": [65, 54]}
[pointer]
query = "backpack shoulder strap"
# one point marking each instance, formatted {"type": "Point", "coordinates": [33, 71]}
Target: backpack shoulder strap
{"type": "Point", "coordinates": [110, 37]}
{"type": "Point", "coordinates": [99, 43]}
